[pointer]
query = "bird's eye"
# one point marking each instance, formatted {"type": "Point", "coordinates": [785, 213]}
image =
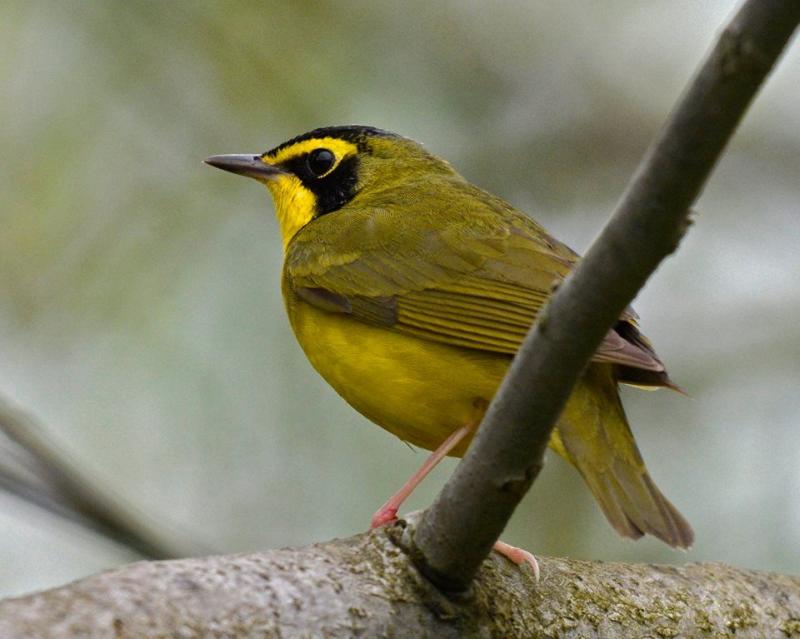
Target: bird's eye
{"type": "Point", "coordinates": [320, 161]}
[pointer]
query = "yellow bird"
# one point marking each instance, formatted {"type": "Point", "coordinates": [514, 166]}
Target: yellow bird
{"type": "Point", "coordinates": [410, 290]}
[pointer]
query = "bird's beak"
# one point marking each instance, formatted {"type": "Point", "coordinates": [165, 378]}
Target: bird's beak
{"type": "Point", "coordinates": [250, 165]}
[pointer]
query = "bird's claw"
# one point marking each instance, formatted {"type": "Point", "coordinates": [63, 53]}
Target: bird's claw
{"type": "Point", "coordinates": [385, 515]}
{"type": "Point", "coordinates": [519, 556]}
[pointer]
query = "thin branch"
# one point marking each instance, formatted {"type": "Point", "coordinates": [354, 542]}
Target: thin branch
{"type": "Point", "coordinates": [364, 586]}
{"type": "Point", "coordinates": [31, 469]}
{"type": "Point", "coordinates": [469, 514]}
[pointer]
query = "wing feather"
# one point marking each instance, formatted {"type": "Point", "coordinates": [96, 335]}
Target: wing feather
{"type": "Point", "coordinates": [476, 281]}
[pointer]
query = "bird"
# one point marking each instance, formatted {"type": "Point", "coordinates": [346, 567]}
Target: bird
{"type": "Point", "coordinates": [410, 290]}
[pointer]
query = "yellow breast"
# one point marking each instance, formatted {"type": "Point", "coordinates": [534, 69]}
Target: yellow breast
{"type": "Point", "coordinates": [419, 390]}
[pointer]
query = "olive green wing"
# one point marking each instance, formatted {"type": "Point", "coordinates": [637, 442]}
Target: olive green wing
{"type": "Point", "coordinates": [475, 281]}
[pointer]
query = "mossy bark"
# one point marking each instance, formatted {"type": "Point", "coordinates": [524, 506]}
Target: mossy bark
{"type": "Point", "coordinates": [365, 586]}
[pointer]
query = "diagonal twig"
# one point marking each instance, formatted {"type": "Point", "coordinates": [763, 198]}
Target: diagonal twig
{"type": "Point", "coordinates": [31, 469]}
{"type": "Point", "coordinates": [457, 531]}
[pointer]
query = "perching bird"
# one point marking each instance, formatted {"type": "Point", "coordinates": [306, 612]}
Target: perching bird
{"type": "Point", "coordinates": [410, 290]}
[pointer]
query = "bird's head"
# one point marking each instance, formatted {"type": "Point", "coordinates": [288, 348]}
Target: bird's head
{"type": "Point", "coordinates": [324, 170]}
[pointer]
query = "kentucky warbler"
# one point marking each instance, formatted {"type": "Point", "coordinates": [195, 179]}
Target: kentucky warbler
{"type": "Point", "coordinates": [410, 289]}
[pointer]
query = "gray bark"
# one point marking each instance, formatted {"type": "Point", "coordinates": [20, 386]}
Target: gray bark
{"type": "Point", "coordinates": [365, 586]}
{"type": "Point", "coordinates": [507, 454]}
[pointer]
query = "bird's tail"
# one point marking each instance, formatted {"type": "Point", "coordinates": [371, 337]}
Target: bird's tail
{"type": "Point", "coordinates": [593, 435]}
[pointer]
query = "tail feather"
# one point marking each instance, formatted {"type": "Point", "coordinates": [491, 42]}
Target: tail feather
{"type": "Point", "coordinates": [593, 434]}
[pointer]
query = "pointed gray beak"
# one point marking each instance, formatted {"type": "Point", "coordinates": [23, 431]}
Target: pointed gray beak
{"type": "Point", "coordinates": [249, 165]}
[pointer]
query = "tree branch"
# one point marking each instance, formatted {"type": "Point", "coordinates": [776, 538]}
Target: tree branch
{"type": "Point", "coordinates": [33, 470]}
{"type": "Point", "coordinates": [364, 586]}
{"type": "Point", "coordinates": [472, 510]}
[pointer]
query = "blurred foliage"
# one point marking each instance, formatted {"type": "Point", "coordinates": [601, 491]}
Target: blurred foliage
{"type": "Point", "coordinates": [140, 316]}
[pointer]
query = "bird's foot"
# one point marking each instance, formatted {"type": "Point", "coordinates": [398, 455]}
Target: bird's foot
{"type": "Point", "coordinates": [518, 556]}
{"type": "Point", "coordinates": [386, 514]}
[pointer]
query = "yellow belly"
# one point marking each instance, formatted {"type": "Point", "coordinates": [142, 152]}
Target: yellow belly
{"type": "Point", "coordinates": [419, 390]}
{"type": "Point", "coordinates": [422, 391]}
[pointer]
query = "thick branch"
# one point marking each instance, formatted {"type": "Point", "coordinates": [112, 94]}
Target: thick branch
{"type": "Point", "coordinates": [473, 508]}
{"type": "Point", "coordinates": [365, 586]}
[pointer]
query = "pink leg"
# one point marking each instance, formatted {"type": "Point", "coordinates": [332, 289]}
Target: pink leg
{"type": "Point", "coordinates": [388, 512]}
{"type": "Point", "coordinates": [518, 556]}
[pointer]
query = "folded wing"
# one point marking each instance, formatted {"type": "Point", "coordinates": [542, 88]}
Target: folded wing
{"type": "Point", "coordinates": [471, 282]}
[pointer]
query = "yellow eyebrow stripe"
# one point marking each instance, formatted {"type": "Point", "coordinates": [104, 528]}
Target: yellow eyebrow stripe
{"type": "Point", "coordinates": [340, 148]}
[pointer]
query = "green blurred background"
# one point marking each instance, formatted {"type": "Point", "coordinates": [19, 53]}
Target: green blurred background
{"type": "Point", "coordinates": [140, 316]}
